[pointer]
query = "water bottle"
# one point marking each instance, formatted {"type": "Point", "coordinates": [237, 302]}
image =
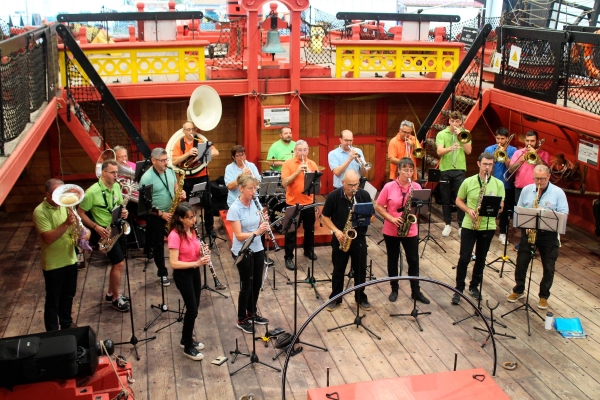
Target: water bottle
{"type": "Point", "coordinates": [549, 321]}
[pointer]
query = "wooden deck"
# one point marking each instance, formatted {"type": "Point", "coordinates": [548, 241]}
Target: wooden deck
{"type": "Point", "coordinates": [549, 367]}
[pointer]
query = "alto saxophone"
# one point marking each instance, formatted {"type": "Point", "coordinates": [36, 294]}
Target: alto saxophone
{"type": "Point", "coordinates": [407, 218]}
{"type": "Point", "coordinates": [349, 231]}
{"type": "Point", "coordinates": [531, 237]}
{"type": "Point", "coordinates": [105, 245]}
{"type": "Point", "coordinates": [477, 220]}
{"type": "Point", "coordinates": [176, 198]}
{"type": "Point", "coordinates": [203, 251]}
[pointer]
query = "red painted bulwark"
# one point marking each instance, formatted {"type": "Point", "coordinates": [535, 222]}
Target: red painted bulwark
{"type": "Point", "coordinates": [12, 168]}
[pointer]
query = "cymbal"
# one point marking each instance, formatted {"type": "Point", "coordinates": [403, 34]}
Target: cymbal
{"type": "Point", "coordinates": [270, 161]}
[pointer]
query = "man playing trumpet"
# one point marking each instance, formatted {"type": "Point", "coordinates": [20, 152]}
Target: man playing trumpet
{"type": "Point", "coordinates": [402, 145]}
{"type": "Point", "coordinates": [345, 158]}
{"type": "Point", "coordinates": [453, 166]}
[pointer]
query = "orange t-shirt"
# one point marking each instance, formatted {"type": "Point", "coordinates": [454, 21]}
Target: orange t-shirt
{"type": "Point", "coordinates": [397, 149]}
{"type": "Point", "coordinates": [293, 193]}
{"type": "Point", "coordinates": [177, 152]}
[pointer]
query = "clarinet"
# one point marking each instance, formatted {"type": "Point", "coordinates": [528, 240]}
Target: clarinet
{"type": "Point", "coordinates": [263, 219]}
{"type": "Point", "coordinates": [218, 285]}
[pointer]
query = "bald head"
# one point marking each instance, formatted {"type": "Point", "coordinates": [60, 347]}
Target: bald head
{"type": "Point", "coordinates": [350, 182]}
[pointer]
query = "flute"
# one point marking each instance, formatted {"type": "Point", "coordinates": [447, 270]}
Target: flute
{"type": "Point", "coordinates": [262, 220]}
{"type": "Point", "coordinates": [203, 250]}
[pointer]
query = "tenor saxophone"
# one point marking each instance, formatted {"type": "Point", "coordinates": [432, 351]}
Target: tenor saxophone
{"type": "Point", "coordinates": [349, 231]}
{"type": "Point", "coordinates": [531, 237]}
{"type": "Point", "coordinates": [176, 198]}
{"type": "Point", "coordinates": [203, 251]}
{"type": "Point", "coordinates": [477, 220]}
{"type": "Point", "coordinates": [407, 218]}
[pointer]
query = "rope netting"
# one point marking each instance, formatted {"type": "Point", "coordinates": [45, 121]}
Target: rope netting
{"type": "Point", "coordinates": [229, 50]}
{"type": "Point", "coordinates": [583, 85]}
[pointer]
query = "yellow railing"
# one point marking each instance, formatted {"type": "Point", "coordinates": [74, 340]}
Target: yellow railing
{"type": "Point", "coordinates": [368, 56]}
{"type": "Point", "coordinates": [132, 62]}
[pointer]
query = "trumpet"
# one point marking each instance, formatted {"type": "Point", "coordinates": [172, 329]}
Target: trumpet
{"type": "Point", "coordinates": [263, 218]}
{"type": "Point", "coordinates": [500, 153]}
{"type": "Point", "coordinates": [363, 164]}
{"type": "Point", "coordinates": [305, 165]}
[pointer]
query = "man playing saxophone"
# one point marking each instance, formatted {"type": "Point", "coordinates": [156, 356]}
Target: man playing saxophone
{"type": "Point", "coordinates": [548, 197]}
{"type": "Point", "coordinates": [100, 199]}
{"type": "Point", "coordinates": [336, 213]}
{"type": "Point", "coordinates": [164, 191]}
{"type": "Point", "coordinates": [394, 204]}
{"type": "Point", "coordinates": [477, 231]}
{"type": "Point", "coordinates": [292, 179]}
{"type": "Point", "coordinates": [402, 145]}
{"type": "Point", "coordinates": [453, 166]}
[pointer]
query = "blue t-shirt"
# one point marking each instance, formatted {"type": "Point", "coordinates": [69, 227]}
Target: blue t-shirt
{"type": "Point", "coordinates": [499, 167]}
{"type": "Point", "coordinates": [552, 199]}
{"type": "Point", "coordinates": [231, 173]}
{"type": "Point", "coordinates": [336, 158]}
{"type": "Point", "coordinates": [250, 221]}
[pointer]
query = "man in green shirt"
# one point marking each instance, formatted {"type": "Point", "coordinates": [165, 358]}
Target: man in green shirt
{"type": "Point", "coordinates": [100, 200]}
{"type": "Point", "coordinates": [467, 200]}
{"type": "Point", "coordinates": [452, 165]}
{"type": "Point", "coordinates": [59, 261]}
{"type": "Point", "coordinates": [282, 150]}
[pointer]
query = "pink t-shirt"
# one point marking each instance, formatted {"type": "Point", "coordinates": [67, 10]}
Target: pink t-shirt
{"type": "Point", "coordinates": [189, 250]}
{"type": "Point", "coordinates": [394, 198]}
{"type": "Point", "coordinates": [524, 175]}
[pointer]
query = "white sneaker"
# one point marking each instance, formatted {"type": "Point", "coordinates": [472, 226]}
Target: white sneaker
{"type": "Point", "coordinates": [502, 238]}
{"type": "Point", "coordinates": [446, 231]}
{"type": "Point", "coordinates": [459, 231]}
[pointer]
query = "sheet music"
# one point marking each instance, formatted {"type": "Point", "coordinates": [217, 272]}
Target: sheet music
{"type": "Point", "coordinates": [371, 190]}
{"type": "Point", "coordinates": [553, 221]}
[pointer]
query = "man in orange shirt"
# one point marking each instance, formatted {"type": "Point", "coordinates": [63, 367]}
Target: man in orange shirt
{"type": "Point", "coordinates": [292, 179]}
{"type": "Point", "coordinates": [402, 146]}
{"type": "Point", "coordinates": [186, 148]}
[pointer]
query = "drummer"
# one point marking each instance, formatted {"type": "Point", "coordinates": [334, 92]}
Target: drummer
{"type": "Point", "coordinates": [239, 166]}
{"type": "Point", "coordinates": [282, 150]}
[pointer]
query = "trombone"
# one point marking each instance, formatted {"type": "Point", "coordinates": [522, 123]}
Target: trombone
{"type": "Point", "coordinates": [530, 157]}
{"type": "Point", "coordinates": [500, 153]}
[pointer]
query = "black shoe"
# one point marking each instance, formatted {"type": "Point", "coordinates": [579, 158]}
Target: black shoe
{"type": "Point", "coordinates": [311, 255]}
{"type": "Point", "coordinates": [475, 293]}
{"type": "Point", "coordinates": [393, 296]}
{"type": "Point", "coordinates": [163, 280]}
{"type": "Point", "coordinates": [420, 297]}
{"type": "Point", "coordinates": [196, 345]}
{"type": "Point", "coordinates": [192, 353]}
{"type": "Point", "coordinates": [246, 326]}
{"type": "Point", "coordinates": [119, 305]}
{"type": "Point", "coordinates": [456, 299]}
{"type": "Point", "coordinates": [269, 262]}
{"type": "Point", "coordinates": [260, 320]}
{"type": "Point", "coordinates": [109, 298]}
{"type": "Point", "coordinates": [365, 305]}
{"type": "Point", "coordinates": [289, 264]}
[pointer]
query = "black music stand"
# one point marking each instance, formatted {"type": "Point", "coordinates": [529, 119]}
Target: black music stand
{"type": "Point", "coordinates": [144, 207]}
{"type": "Point", "coordinates": [490, 206]}
{"type": "Point", "coordinates": [434, 176]}
{"type": "Point", "coordinates": [244, 252]}
{"type": "Point", "coordinates": [533, 219]}
{"type": "Point", "coordinates": [505, 258]}
{"type": "Point", "coordinates": [361, 216]}
{"type": "Point", "coordinates": [492, 331]}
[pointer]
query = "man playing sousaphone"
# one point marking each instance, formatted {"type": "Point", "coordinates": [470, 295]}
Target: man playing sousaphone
{"type": "Point", "coordinates": [184, 153]}
{"type": "Point", "coordinates": [402, 145]}
{"type": "Point", "coordinates": [100, 199]}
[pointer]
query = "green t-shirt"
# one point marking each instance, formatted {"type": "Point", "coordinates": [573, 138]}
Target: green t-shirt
{"type": "Point", "coordinates": [447, 139]}
{"type": "Point", "coordinates": [281, 151]}
{"type": "Point", "coordinates": [161, 197]}
{"type": "Point", "coordinates": [470, 189]}
{"type": "Point", "coordinates": [61, 253]}
{"type": "Point", "coordinates": [101, 201]}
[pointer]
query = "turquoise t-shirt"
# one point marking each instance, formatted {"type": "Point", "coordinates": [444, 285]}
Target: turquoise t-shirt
{"type": "Point", "coordinates": [161, 197]}
{"type": "Point", "coordinates": [61, 253]}
{"type": "Point", "coordinates": [469, 191]}
{"type": "Point", "coordinates": [447, 139]}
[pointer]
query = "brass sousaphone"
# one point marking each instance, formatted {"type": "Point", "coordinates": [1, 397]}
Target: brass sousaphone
{"type": "Point", "coordinates": [204, 110]}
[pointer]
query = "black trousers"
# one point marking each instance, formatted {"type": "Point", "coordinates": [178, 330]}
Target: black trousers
{"type": "Point", "coordinates": [188, 282]}
{"type": "Point", "coordinates": [509, 205]}
{"type": "Point", "coordinates": [451, 181]}
{"type": "Point", "coordinates": [307, 217]}
{"type": "Point", "coordinates": [155, 240]}
{"type": "Point", "coordinates": [547, 244]}
{"type": "Point", "coordinates": [61, 285]}
{"type": "Point", "coordinates": [205, 200]}
{"type": "Point", "coordinates": [358, 256]}
{"type": "Point", "coordinates": [468, 239]}
{"type": "Point", "coordinates": [411, 249]}
{"type": "Point", "coordinates": [251, 273]}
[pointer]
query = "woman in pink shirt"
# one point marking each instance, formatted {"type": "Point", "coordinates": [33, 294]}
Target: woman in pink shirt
{"type": "Point", "coordinates": [185, 258]}
{"type": "Point", "coordinates": [390, 204]}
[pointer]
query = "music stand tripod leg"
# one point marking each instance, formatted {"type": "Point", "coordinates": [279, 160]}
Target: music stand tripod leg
{"type": "Point", "coordinates": [414, 313]}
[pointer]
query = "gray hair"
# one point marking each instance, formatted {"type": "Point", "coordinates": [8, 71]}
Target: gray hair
{"type": "Point", "coordinates": [157, 152]}
{"type": "Point", "coordinates": [119, 148]}
{"type": "Point", "coordinates": [407, 124]}
{"type": "Point", "coordinates": [51, 182]}
{"type": "Point", "coordinates": [349, 172]}
{"type": "Point", "coordinates": [541, 168]}
{"type": "Point", "coordinates": [301, 142]}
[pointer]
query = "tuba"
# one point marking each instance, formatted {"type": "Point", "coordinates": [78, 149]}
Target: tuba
{"type": "Point", "coordinates": [69, 196]}
{"type": "Point", "coordinates": [204, 110]}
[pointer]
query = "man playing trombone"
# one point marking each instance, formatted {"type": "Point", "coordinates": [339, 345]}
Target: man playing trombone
{"type": "Point", "coordinates": [453, 143]}
{"type": "Point", "coordinates": [239, 166]}
{"type": "Point", "coordinates": [403, 145]}
{"type": "Point", "coordinates": [345, 158]}
{"type": "Point", "coordinates": [521, 169]}
{"type": "Point", "coordinates": [503, 152]}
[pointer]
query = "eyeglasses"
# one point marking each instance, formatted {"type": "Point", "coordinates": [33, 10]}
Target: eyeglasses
{"type": "Point", "coordinates": [348, 140]}
{"type": "Point", "coordinates": [406, 132]}
{"type": "Point", "coordinates": [352, 185]}
{"type": "Point", "coordinates": [189, 129]}
{"type": "Point", "coordinates": [540, 179]}
{"type": "Point", "coordinates": [408, 170]}
{"type": "Point", "coordinates": [163, 160]}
